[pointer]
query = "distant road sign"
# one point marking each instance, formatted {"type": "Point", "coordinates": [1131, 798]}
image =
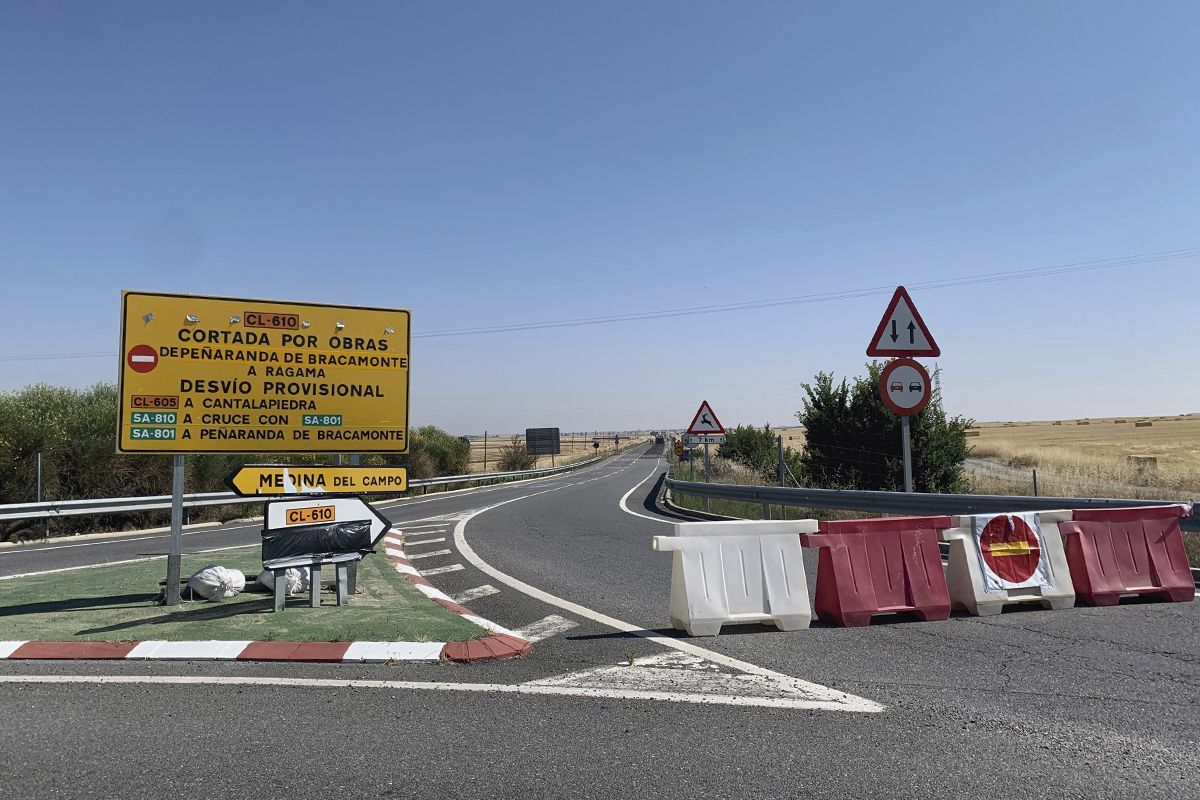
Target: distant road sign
{"type": "Point", "coordinates": [255, 479]}
{"type": "Point", "coordinates": [902, 332]}
{"type": "Point", "coordinates": [692, 439]}
{"type": "Point", "coordinates": [904, 387]}
{"type": "Point", "coordinates": [705, 421]}
{"type": "Point", "coordinates": [261, 376]}
{"type": "Point", "coordinates": [542, 441]}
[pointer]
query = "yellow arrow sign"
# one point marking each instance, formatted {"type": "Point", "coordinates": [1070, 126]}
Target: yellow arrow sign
{"type": "Point", "coordinates": [254, 479]}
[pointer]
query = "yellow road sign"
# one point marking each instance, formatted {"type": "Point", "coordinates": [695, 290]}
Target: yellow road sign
{"type": "Point", "coordinates": [231, 375]}
{"type": "Point", "coordinates": [254, 479]}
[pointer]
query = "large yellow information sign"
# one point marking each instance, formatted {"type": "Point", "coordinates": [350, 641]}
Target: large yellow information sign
{"type": "Point", "coordinates": [228, 375]}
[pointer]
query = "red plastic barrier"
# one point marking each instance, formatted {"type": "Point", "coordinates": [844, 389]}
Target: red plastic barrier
{"type": "Point", "coordinates": [1119, 551]}
{"type": "Point", "coordinates": [879, 566]}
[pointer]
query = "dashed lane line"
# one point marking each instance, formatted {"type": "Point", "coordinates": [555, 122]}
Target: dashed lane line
{"type": "Point", "coordinates": [430, 554]}
{"type": "Point", "coordinates": [545, 628]}
{"type": "Point", "coordinates": [410, 543]}
{"type": "Point", "coordinates": [441, 570]}
{"type": "Point", "coordinates": [487, 590]}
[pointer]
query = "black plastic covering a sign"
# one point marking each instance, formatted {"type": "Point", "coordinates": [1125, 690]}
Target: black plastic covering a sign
{"type": "Point", "coordinates": [353, 536]}
{"type": "Point", "coordinates": [542, 441]}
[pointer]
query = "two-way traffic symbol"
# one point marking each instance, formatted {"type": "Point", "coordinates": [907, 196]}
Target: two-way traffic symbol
{"type": "Point", "coordinates": [902, 318]}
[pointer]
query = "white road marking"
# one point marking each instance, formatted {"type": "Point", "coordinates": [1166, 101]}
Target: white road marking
{"type": "Point", "coordinates": [545, 628]}
{"type": "Point", "coordinates": [430, 554]}
{"type": "Point", "coordinates": [125, 561]}
{"type": "Point", "coordinates": [530, 689]}
{"type": "Point", "coordinates": [409, 543]}
{"type": "Point", "coordinates": [118, 540]}
{"type": "Point", "coordinates": [445, 526]}
{"type": "Point", "coordinates": [440, 570]}
{"type": "Point", "coordinates": [486, 590]}
{"type": "Point", "coordinates": [626, 508]}
{"type": "Point", "coordinates": [821, 696]}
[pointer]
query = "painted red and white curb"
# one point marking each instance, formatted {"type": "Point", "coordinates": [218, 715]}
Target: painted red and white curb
{"type": "Point", "coordinates": [503, 643]}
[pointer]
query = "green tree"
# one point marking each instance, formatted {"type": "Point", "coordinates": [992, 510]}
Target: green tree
{"type": "Point", "coordinates": [751, 447]}
{"type": "Point", "coordinates": [852, 440]}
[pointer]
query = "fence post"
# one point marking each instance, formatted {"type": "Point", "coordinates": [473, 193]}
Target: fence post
{"type": "Point", "coordinates": [782, 466]}
{"type": "Point", "coordinates": [46, 522]}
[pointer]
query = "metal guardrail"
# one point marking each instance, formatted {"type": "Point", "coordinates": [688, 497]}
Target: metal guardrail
{"type": "Point", "coordinates": [915, 503]}
{"type": "Point", "coordinates": [116, 505]}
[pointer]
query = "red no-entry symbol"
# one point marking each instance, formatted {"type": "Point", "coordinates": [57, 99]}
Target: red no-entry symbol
{"type": "Point", "coordinates": [142, 358]}
{"type": "Point", "coordinates": [1010, 548]}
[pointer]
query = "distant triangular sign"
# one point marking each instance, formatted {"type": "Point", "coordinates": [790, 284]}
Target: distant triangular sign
{"type": "Point", "coordinates": [705, 421]}
{"type": "Point", "coordinates": [902, 332]}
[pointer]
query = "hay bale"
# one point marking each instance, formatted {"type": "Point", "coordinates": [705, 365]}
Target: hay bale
{"type": "Point", "coordinates": [1143, 424]}
{"type": "Point", "coordinates": [1057, 422]}
{"type": "Point", "coordinates": [1144, 463]}
{"type": "Point", "coordinates": [1082, 422]}
{"type": "Point", "coordinates": [972, 433]}
{"type": "Point", "coordinates": [1118, 421]}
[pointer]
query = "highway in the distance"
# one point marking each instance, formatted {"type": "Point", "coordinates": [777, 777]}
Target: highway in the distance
{"type": "Point", "coordinates": [1083, 703]}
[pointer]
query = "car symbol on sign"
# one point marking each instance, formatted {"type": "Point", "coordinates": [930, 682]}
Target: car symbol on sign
{"type": "Point", "coordinates": [896, 386]}
{"type": "Point", "coordinates": [914, 387]}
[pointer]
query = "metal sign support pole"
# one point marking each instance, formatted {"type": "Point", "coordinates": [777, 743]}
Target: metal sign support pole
{"type": "Point", "coordinates": [706, 474]}
{"type": "Point", "coordinates": [176, 554]}
{"type": "Point", "coordinates": [906, 442]}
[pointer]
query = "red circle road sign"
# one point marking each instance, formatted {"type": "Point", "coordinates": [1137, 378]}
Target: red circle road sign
{"type": "Point", "coordinates": [1010, 548]}
{"type": "Point", "coordinates": [904, 387]}
{"type": "Point", "coordinates": [142, 358]}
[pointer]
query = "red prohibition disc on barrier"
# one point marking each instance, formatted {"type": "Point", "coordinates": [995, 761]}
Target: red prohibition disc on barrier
{"type": "Point", "coordinates": [1010, 549]}
{"type": "Point", "coordinates": [904, 387]}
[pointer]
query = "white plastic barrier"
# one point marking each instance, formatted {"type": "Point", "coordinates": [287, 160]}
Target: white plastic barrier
{"type": "Point", "coordinates": [1008, 558]}
{"type": "Point", "coordinates": [737, 571]}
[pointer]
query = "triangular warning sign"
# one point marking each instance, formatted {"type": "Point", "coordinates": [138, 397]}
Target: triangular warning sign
{"type": "Point", "coordinates": [705, 421]}
{"type": "Point", "coordinates": [902, 332]}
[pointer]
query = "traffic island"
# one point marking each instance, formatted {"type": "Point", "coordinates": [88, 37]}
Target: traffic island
{"type": "Point", "coordinates": [111, 612]}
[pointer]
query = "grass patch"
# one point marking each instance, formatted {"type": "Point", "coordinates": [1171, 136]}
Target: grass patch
{"type": "Point", "coordinates": [117, 603]}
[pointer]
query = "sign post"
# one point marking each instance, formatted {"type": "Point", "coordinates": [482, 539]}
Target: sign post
{"type": "Point", "coordinates": [235, 375]}
{"type": "Point", "coordinates": [904, 384]}
{"type": "Point", "coordinates": [705, 428]}
{"type": "Point", "coordinates": [175, 554]}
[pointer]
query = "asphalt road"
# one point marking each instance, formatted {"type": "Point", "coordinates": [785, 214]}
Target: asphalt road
{"type": "Point", "coordinates": [1088, 703]}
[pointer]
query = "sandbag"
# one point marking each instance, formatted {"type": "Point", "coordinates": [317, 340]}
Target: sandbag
{"type": "Point", "coordinates": [217, 583]}
{"type": "Point", "coordinates": [295, 579]}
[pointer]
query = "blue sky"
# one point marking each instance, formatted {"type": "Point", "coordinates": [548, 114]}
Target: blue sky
{"type": "Point", "coordinates": [493, 163]}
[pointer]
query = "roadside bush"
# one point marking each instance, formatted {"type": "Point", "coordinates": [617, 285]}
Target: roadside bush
{"type": "Point", "coordinates": [515, 456]}
{"type": "Point", "coordinates": [852, 440]}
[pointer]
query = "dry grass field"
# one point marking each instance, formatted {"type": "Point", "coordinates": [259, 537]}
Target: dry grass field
{"type": "Point", "coordinates": [576, 447]}
{"type": "Point", "coordinates": [1159, 455]}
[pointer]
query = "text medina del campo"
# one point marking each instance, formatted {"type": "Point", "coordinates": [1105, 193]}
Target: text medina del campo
{"type": "Point", "coordinates": [296, 357]}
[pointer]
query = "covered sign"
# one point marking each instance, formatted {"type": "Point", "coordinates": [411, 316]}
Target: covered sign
{"type": "Point", "coordinates": [1010, 548]}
